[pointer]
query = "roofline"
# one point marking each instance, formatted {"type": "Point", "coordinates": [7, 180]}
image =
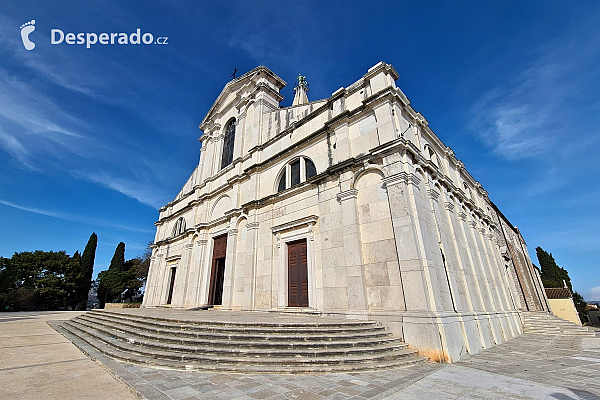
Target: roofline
{"type": "Point", "coordinates": [260, 68]}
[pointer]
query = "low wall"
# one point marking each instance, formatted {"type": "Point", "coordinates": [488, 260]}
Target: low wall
{"type": "Point", "coordinates": [108, 306]}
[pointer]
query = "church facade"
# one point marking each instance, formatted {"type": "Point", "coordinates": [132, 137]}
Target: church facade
{"type": "Point", "coordinates": [348, 206]}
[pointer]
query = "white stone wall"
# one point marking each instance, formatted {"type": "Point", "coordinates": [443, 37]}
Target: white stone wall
{"type": "Point", "coordinates": [397, 230]}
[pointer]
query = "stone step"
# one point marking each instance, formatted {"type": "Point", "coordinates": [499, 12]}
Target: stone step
{"type": "Point", "coordinates": [202, 360]}
{"type": "Point", "coordinates": [545, 323]}
{"type": "Point", "coordinates": [186, 330]}
{"type": "Point", "coordinates": [87, 344]}
{"type": "Point", "coordinates": [316, 325]}
{"type": "Point", "coordinates": [239, 342]}
{"type": "Point", "coordinates": [204, 344]}
{"type": "Point", "coordinates": [220, 350]}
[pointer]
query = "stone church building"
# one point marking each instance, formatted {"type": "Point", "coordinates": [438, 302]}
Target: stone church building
{"type": "Point", "coordinates": [348, 206]}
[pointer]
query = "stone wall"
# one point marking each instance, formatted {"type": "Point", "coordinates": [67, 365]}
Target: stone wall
{"type": "Point", "coordinates": [397, 230]}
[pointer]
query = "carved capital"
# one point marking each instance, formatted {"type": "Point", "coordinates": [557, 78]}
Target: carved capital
{"type": "Point", "coordinates": [462, 215]}
{"type": "Point", "coordinates": [232, 232]}
{"type": "Point", "coordinates": [414, 179]}
{"type": "Point", "coordinates": [434, 194]}
{"type": "Point", "coordinates": [449, 206]}
{"type": "Point", "coordinates": [396, 179]}
{"type": "Point", "coordinates": [346, 195]}
{"type": "Point", "coordinates": [252, 225]}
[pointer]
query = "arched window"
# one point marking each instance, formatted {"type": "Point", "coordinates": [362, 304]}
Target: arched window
{"type": "Point", "coordinates": [310, 168]}
{"type": "Point", "coordinates": [468, 191]}
{"type": "Point", "coordinates": [432, 155]}
{"type": "Point", "coordinates": [227, 157]}
{"type": "Point", "coordinates": [179, 227]}
{"type": "Point", "coordinates": [297, 171]}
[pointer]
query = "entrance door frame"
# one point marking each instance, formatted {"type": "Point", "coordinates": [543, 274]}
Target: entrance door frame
{"type": "Point", "coordinates": [290, 232]}
{"type": "Point", "coordinates": [212, 260]}
{"type": "Point", "coordinates": [289, 245]}
{"type": "Point", "coordinates": [171, 288]}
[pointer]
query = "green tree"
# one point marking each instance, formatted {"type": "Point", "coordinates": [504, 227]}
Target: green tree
{"type": "Point", "coordinates": [72, 278]}
{"type": "Point", "coordinates": [36, 281]}
{"type": "Point", "coordinates": [122, 279]}
{"type": "Point", "coordinates": [554, 276]}
{"type": "Point", "coordinates": [112, 282]}
{"type": "Point", "coordinates": [118, 261]}
{"type": "Point", "coordinates": [84, 281]}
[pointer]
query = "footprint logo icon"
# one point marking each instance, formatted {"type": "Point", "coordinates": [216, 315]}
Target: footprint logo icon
{"type": "Point", "coordinates": [26, 29]}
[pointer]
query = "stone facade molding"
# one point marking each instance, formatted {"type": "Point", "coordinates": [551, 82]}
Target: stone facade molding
{"type": "Point", "coordinates": [307, 221]}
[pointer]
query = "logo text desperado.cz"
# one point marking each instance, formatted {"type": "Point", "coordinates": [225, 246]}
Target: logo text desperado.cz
{"type": "Point", "coordinates": [57, 36]}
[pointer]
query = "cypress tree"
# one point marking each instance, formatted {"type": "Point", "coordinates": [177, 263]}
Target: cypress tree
{"type": "Point", "coordinates": [118, 261]}
{"type": "Point", "coordinates": [552, 275]}
{"type": "Point", "coordinates": [87, 270]}
{"type": "Point", "coordinates": [72, 281]}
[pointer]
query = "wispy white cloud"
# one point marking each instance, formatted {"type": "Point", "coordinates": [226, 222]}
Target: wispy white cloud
{"type": "Point", "coordinates": [13, 146]}
{"type": "Point", "coordinates": [74, 218]}
{"type": "Point", "coordinates": [535, 115]}
{"type": "Point", "coordinates": [592, 294]}
{"type": "Point", "coordinates": [140, 189]}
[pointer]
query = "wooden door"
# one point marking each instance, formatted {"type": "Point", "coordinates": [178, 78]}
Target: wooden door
{"type": "Point", "coordinates": [297, 274]}
{"type": "Point", "coordinates": [217, 273]}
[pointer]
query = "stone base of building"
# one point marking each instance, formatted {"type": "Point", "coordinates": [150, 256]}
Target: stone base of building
{"type": "Point", "coordinates": [121, 305]}
{"type": "Point", "coordinates": [443, 336]}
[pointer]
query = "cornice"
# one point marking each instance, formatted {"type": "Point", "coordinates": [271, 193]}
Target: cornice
{"type": "Point", "coordinates": [310, 220]}
{"type": "Point", "coordinates": [346, 195]}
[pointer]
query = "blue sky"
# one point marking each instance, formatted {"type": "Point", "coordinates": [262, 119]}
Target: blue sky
{"type": "Point", "coordinates": [98, 139]}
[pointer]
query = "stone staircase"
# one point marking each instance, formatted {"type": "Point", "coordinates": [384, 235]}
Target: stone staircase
{"type": "Point", "coordinates": [264, 347]}
{"type": "Point", "coordinates": [543, 323]}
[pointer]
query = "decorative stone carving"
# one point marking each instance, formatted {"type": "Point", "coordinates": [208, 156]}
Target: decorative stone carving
{"type": "Point", "coordinates": [252, 225]}
{"type": "Point", "coordinates": [348, 194]}
{"type": "Point", "coordinates": [396, 179]}
{"type": "Point", "coordinates": [434, 194]}
{"type": "Point", "coordinates": [310, 220]}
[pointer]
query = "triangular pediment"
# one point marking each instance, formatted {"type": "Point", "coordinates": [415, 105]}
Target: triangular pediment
{"type": "Point", "coordinates": [235, 85]}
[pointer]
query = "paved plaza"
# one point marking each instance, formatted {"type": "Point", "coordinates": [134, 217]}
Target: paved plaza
{"type": "Point", "coordinates": [37, 362]}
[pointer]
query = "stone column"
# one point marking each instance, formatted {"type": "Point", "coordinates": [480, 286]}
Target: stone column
{"type": "Point", "coordinates": [183, 270]}
{"type": "Point", "coordinates": [196, 265]}
{"type": "Point", "coordinates": [357, 296]}
{"type": "Point", "coordinates": [416, 288]}
{"type": "Point", "coordinates": [229, 267]}
{"type": "Point", "coordinates": [150, 290]}
{"type": "Point", "coordinates": [251, 251]}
